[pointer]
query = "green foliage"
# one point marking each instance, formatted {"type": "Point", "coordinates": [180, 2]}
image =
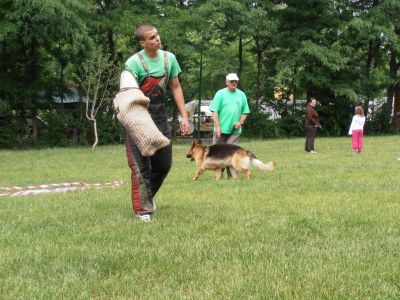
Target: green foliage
{"type": "Point", "coordinates": [379, 121]}
{"type": "Point", "coordinates": [292, 124]}
{"type": "Point", "coordinates": [54, 129]}
{"type": "Point", "coordinates": [342, 52]}
{"type": "Point", "coordinates": [259, 127]}
{"type": "Point", "coordinates": [109, 129]}
{"type": "Point", "coordinates": [8, 125]}
{"type": "Point", "coordinates": [258, 124]}
{"type": "Point", "coordinates": [330, 58]}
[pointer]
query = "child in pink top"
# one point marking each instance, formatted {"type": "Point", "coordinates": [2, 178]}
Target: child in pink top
{"type": "Point", "coordinates": [357, 129]}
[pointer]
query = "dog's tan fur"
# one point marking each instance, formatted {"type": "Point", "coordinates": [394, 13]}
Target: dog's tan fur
{"type": "Point", "coordinates": [220, 156]}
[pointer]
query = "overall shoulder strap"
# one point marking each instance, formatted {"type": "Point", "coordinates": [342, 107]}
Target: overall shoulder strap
{"type": "Point", "coordinates": [143, 62]}
{"type": "Point", "coordinates": [166, 65]}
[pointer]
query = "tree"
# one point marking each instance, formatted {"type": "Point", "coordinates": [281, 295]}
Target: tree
{"type": "Point", "coordinates": [342, 52]}
{"type": "Point", "coordinates": [310, 57]}
{"type": "Point", "coordinates": [30, 32]}
{"type": "Point", "coordinates": [98, 77]}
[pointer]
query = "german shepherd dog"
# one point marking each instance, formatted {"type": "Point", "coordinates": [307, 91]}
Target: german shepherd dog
{"type": "Point", "coordinates": [220, 156]}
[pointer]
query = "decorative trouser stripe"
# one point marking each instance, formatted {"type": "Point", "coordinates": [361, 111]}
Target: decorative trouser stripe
{"type": "Point", "coordinates": [139, 192]}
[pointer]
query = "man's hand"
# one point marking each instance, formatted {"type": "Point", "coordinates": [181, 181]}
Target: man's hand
{"type": "Point", "coordinates": [238, 125]}
{"type": "Point", "coordinates": [218, 132]}
{"type": "Point", "coordinates": [184, 126]}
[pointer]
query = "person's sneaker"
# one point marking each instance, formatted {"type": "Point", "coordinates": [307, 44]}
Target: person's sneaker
{"type": "Point", "coordinates": [313, 152]}
{"type": "Point", "coordinates": [144, 218]}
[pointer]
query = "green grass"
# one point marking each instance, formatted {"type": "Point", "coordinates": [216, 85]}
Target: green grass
{"type": "Point", "coordinates": [319, 226]}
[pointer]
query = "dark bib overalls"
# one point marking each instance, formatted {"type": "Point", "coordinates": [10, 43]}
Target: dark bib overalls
{"type": "Point", "coordinates": [148, 173]}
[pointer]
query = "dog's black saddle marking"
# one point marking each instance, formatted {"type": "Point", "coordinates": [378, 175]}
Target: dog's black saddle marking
{"type": "Point", "coordinates": [221, 151]}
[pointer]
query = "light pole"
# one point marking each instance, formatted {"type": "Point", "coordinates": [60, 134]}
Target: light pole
{"type": "Point", "coordinates": [200, 87]}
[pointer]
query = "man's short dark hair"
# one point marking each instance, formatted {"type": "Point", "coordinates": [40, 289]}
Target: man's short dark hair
{"type": "Point", "coordinates": [139, 32]}
{"type": "Point", "coordinates": [311, 99]}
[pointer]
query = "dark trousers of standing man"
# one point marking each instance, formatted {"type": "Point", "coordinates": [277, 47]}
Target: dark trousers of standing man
{"type": "Point", "coordinates": [226, 139]}
{"type": "Point", "coordinates": [311, 131]}
{"type": "Point", "coordinates": [147, 175]}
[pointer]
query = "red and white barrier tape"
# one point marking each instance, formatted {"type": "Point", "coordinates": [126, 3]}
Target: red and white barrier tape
{"type": "Point", "coordinates": [40, 186]}
{"type": "Point", "coordinates": [62, 187]}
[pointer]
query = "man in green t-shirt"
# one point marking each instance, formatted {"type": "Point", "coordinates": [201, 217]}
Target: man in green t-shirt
{"type": "Point", "coordinates": [229, 109]}
{"type": "Point", "coordinates": [153, 69]}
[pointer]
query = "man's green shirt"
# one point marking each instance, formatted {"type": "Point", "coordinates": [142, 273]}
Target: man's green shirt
{"type": "Point", "coordinates": [229, 106]}
{"type": "Point", "coordinates": [156, 66]}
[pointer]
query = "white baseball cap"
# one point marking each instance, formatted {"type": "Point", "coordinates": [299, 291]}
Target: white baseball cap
{"type": "Point", "coordinates": [232, 76]}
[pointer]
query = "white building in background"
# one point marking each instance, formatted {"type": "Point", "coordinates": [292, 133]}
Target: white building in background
{"type": "Point", "coordinates": [192, 108]}
{"type": "Point", "coordinates": [206, 121]}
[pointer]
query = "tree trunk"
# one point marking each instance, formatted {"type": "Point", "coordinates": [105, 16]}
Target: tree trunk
{"type": "Point", "coordinates": [111, 45]}
{"type": "Point", "coordinates": [396, 108]}
{"type": "Point", "coordinates": [75, 136]}
{"type": "Point", "coordinates": [294, 89]}
{"type": "Point", "coordinates": [96, 138]}
{"type": "Point", "coordinates": [367, 74]}
{"type": "Point", "coordinates": [258, 79]}
{"type": "Point", "coordinates": [240, 56]}
{"type": "Point", "coordinates": [31, 75]}
{"type": "Point", "coordinates": [62, 86]}
{"type": "Point", "coordinates": [393, 67]}
{"type": "Point", "coordinates": [309, 86]}
{"type": "Point", "coordinates": [34, 129]}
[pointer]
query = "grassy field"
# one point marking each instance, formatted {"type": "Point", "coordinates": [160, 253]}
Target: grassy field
{"type": "Point", "coordinates": [324, 226]}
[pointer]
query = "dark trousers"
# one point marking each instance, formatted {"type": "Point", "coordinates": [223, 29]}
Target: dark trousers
{"type": "Point", "coordinates": [147, 175]}
{"type": "Point", "coordinates": [311, 131]}
{"type": "Point", "coordinates": [226, 139]}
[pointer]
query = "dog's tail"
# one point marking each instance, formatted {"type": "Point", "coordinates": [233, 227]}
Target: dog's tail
{"type": "Point", "coordinates": [269, 166]}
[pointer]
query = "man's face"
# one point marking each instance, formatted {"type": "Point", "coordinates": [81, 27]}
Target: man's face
{"type": "Point", "coordinates": [232, 85]}
{"type": "Point", "coordinates": [152, 40]}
